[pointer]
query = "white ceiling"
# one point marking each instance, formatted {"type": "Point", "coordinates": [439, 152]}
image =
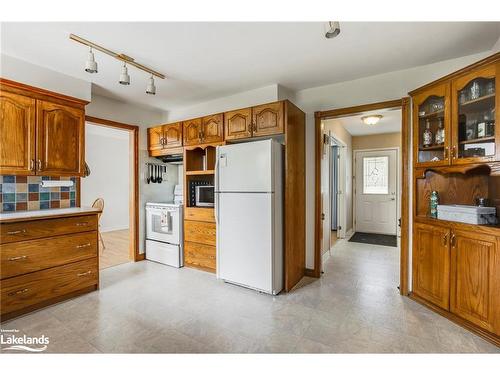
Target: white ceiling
{"type": "Point", "coordinates": [389, 123]}
{"type": "Point", "coordinates": [204, 61]}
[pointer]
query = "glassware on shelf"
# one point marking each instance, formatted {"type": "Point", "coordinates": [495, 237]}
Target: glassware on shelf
{"type": "Point", "coordinates": [475, 90]}
{"type": "Point", "coordinates": [490, 123]}
{"type": "Point", "coordinates": [470, 130]}
{"type": "Point", "coordinates": [490, 88]}
{"type": "Point", "coordinates": [439, 138]}
{"type": "Point", "coordinates": [463, 97]}
{"type": "Point", "coordinates": [427, 136]}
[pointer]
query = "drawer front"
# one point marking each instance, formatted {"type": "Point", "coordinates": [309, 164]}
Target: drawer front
{"type": "Point", "coordinates": [29, 230]}
{"type": "Point", "coordinates": [199, 255]}
{"type": "Point", "coordinates": [23, 291]}
{"type": "Point", "coordinates": [18, 258]}
{"type": "Point", "coordinates": [199, 232]}
{"type": "Point", "coordinates": [199, 214]}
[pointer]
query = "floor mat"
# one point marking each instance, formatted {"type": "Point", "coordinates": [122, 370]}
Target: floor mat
{"type": "Point", "coordinates": [375, 239]}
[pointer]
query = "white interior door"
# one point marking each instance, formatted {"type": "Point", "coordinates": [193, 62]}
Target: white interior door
{"type": "Point", "coordinates": [325, 198]}
{"type": "Point", "coordinates": [376, 191]}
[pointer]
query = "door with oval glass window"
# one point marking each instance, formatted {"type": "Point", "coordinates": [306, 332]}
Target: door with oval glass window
{"type": "Point", "coordinates": [376, 191]}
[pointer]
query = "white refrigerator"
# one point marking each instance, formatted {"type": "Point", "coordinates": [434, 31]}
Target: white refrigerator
{"type": "Point", "coordinates": [249, 215]}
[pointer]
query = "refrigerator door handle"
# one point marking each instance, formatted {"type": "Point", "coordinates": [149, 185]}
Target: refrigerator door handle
{"type": "Point", "coordinates": [216, 188]}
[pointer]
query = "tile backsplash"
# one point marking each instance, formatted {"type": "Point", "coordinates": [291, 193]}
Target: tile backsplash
{"type": "Point", "coordinates": [21, 193]}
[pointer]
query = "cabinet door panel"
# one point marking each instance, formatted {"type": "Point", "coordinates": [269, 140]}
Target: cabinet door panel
{"type": "Point", "coordinates": [172, 134]}
{"type": "Point", "coordinates": [268, 119]}
{"type": "Point", "coordinates": [475, 279]}
{"type": "Point", "coordinates": [474, 115]}
{"type": "Point", "coordinates": [17, 134]}
{"type": "Point", "coordinates": [192, 132]}
{"type": "Point", "coordinates": [155, 138]}
{"type": "Point", "coordinates": [431, 264]}
{"type": "Point", "coordinates": [238, 124]}
{"type": "Point", "coordinates": [60, 139]}
{"type": "Point", "coordinates": [213, 129]}
{"type": "Point", "coordinates": [431, 114]}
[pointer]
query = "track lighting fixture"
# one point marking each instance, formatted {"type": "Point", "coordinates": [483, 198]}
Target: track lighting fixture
{"type": "Point", "coordinates": [151, 88]}
{"type": "Point", "coordinates": [124, 77]}
{"type": "Point", "coordinates": [91, 65]}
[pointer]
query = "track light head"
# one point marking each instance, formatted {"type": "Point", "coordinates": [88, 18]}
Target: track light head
{"type": "Point", "coordinates": [91, 65]}
{"type": "Point", "coordinates": [124, 77]}
{"type": "Point", "coordinates": [151, 88]}
{"type": "Point", "coordinates": [332, 29]}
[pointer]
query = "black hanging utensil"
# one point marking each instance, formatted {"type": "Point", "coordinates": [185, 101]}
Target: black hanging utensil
{"type": "Point", "coordinates": [153, 177]}
{"type": "Point", "coordinates": [160, 176]}
{"type": "Point", "coordinates": [148, 174]}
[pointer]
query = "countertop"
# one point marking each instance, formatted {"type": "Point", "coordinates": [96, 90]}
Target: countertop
{"type": "Point", "coordinates": [6, 217]}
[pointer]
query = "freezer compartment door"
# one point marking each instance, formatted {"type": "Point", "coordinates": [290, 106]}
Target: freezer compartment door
{"type": "Point", "coordinates": [245, 167]}
{"type": "Point", "coordinates": [245, 239]}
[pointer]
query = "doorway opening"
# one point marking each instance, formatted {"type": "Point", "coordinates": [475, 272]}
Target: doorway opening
{"type": "Point", "coordinates": [111, 156]}
{"type": "Point", "coordinates": [372, 198]}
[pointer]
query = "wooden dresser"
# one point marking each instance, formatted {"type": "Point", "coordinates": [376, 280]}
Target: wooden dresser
{"type": "Point", "coordinates": [46, 257]}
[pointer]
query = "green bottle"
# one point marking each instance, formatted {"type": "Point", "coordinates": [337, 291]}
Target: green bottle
{"type": "Point", "coordinates": [433, 203]}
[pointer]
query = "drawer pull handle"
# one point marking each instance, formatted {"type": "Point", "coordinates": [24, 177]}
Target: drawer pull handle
{"type": "Point", "coordinates": [23, 257]}
{"type": "Point", "coordinates": [82, 224]}
{"type": "Point", "coordinates": [17, 231]}
{"type": "Point", "coordinates": [84, 274]}
{"type": "Point", "coordinates": [82, 246]}
{"type": "Point", "coordinates": [22, 291]}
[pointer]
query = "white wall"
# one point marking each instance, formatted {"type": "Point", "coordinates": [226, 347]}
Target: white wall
{"type": "Point", "coordinates": [107, 152]}
{"type": "Point", "coordinates": [110, 109]}
{"type": "Point", "coordinates": [34, 75]}
{"type": "Point", "coordinates": [244, 99]}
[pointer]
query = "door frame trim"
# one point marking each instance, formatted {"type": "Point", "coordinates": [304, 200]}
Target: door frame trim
{"type": "Point", "coordinates": [398, 176]}
{"type": "Point", "coordinates": [404, 104]}
{"type": "Point", "coordinates": [134, 196]}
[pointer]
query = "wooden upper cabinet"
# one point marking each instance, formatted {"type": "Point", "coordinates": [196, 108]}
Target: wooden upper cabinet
{"type": "Point", "coordinates": [192, 132]}
{"type": "Point", "coordinates": [172, 135]}
{"type": "Point", "coordinates": [155, 138]}
{"type": "Point", "coordinates": [476, 138]}
{"type": "Point", "coordinates": [475, 283]}
{"type": "Point", "coordinates": [238, 124]}
{"type": "Point", "coordinates": [431, 264]}
{"type": "Point", "coordinates": [431, 116]}
{"type": "Point", "coordinates": [268, 119]}
{"type": "Point", "coordinates": [60, 139]}
{"type": "Point", "coordinates": [212, 129]}
{"type": "Point", "coordinates": [17, 134]}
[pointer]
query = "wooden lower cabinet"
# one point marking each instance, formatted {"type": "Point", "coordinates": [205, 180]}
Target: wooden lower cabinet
{"type": "Point", "coordinates": [199, 241]}
{"type": "Point", "coordinates": [456, 267]}
{"type": "Point", "coordinates": [199, 255]}
{"type": "Point", "coordinates": [431, 264]}
{"type": "Point", "coordinates": [47, 260]}
{"type": "Point", "coordinates": [475, 281]}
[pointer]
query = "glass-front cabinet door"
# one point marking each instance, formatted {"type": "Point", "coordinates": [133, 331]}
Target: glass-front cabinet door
{"type": "Point", "coordinates": [474, 102]}
{"type": "Point", "coordinates": [431, 132]}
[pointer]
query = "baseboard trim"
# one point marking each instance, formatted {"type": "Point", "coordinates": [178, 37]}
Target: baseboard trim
{"type": "Point", "coordinates": [311, 273]}
{"type": "Point", "coordinates": [488, 336]}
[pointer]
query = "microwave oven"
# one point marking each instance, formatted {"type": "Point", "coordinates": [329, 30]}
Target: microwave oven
{"type": "Point", "coordinates": [204, 196]}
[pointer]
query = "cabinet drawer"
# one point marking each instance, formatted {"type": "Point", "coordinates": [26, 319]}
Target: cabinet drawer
{"type": "Point", "coordinates": [199, 232]}
{"type": "Point", "coordinates": [18, 258]}
{"type": "Point", "coordinates": [23, 291]}
{"type": "Point", "coordinates": [199, 255]}
{"type": "Point", "coordinates": [199, 214]}
{"type": "Point", "coordinates": [28, 230]}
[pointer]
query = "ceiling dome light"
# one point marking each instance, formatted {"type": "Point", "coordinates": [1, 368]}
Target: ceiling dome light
{"type": "Point", "coordinates": [91, 65]}
{"type": "Point", "coordinates": [151, 88]}
{"type": "Point", "coordinates": [372, 119]}
{"type": "Point", "coordinates": [332, 29]}
{"type": "Point", "coordinates": [124, 77]}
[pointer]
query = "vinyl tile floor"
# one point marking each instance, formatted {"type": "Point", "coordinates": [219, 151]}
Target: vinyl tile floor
{"type": "Point", "coordinates": [147, 307]}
